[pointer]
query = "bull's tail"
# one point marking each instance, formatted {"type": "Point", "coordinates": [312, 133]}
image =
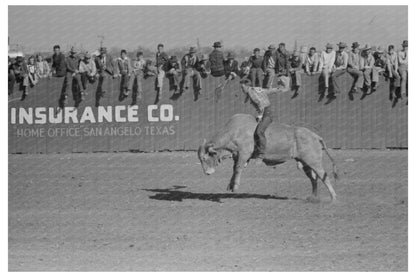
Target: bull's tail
{"type": "Point", "coordinates": [334, 166]}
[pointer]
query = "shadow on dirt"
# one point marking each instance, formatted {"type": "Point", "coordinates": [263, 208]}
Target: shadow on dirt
{"type": "Point", "coordinates": [174, 194]}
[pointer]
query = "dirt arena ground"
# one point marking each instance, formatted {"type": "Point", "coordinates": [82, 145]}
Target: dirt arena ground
{"type": "Point", "coordinates": [158, 212]}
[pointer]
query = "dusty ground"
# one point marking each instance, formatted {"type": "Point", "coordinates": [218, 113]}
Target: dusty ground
{"type": "Point", "coordinates": [129, 211]}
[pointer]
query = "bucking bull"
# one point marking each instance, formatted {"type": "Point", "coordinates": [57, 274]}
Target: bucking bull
{"type": "Point", "coordinates": [284, 142]}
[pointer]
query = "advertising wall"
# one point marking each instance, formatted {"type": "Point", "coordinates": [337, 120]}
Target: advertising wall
{"type": "Point", "coordinates": [181, 123]}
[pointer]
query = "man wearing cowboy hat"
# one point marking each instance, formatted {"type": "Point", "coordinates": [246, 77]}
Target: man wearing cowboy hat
{"type": "Point", "coordinates": [367, 66]}
{"type": "Point", "coordinates": [87, 70]}
{"type": "Point", "coordinates": [125, 71]}
{"type": "Point", "coordinates": [174, 71]}
{"type": "Point", "coordinates": [216, 58]}
{"type": "Point", "coordinates": [204, 66]}
{"type": "Point", "coordinates": [189, 63]}
{"type": "Point", "coordinates": [340, 65]}
{"type": "Point", "coordinates": [269, 65]}
{"type": "Point", "coordinates": [259, 98]}
{"type": "Point", "coordinates": [105, 69]}
{"type": "Point", "coordinates": [354, 69]}
{"type": "Point", "coordinates": [379, 65]}
{"type": "Point", "coordinates": [72, 74]}
{"type": "Point", "coordinates": [326, 62]}
{"type": "Point", "coordinates": [231, 68]}
{"type": "Point", "coordinates": [403, 67]}
{"type": "Point", "coordinates": [393, 66]}
{"type": "Point", "coordinates": [256, 72]}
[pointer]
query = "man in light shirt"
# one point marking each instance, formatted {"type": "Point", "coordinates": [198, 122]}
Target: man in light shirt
{"type": "Point", "coordinates": [327, 64]}
{"type": "Point", "coordinates": [340, 66]}
{"type": "Point", "coordinates": [393, 66]}
{"type": "Point", "coordinates": [354, 69]}
{"type": "Point", "coordinates": [367, 66]}
{"type": "Point", "coordinates": [403, 68]}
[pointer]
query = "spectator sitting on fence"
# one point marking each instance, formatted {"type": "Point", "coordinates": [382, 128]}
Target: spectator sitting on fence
{"type": "Point", "coordinates": [150, 69]}
{"type": "Point", "coordinates": [403, 68]}
{"type": "Point", "coordinates": [379, 65]}
{"type": "Point", "coordinates": [204, 66]}
{"type": "Point", "coordinates": [367, 67]}
{"type": "Point", "coordinates": [393, 66]}
{"type": "Point", "coordinates": [42, 67]}
{"type": "Point", "coordinates": [139, 65]}
{"type": "Point", "coordinates": [173, 72]}
{"type": "Point", "coordinates": [105, 70]}
{"type": "Point", "coordinates": [32, 71]}
{"type": "Point", "coordinates": [354, 69]}
{"type": "Point", "coordinates": [295, 69]}
{"type": "Point", "coordinates": [161, 63]}
{"type": "Point", "coordinates": [340, 67]}
{"type": "Point", "coordinates": [326, 65]}
{"type": "Point", "coordinates": [21, 75]}
{"type": "Point", "coordinates": [282, 68]}
{"type": "Point", "coordinates": [245, 68]}
{"type": "Point", "coordinates": [125, 71]}
{"type": "Point", "coordinates": [216, 58]}
{"type": "Point", "coordinates": [255, 63]}
{"type": "Point", "coordinates": [58, 62]}
{"type": "Point", "coordinates": [231, 69]}
{"type": "Point", "coordinates": [189, 63]}
{"type": "Point", "coordinates": [87, 70]}
{"type": "Point", "coordinates": [312, 62]}
{"type": "Point", "coordinates": [11, 78]}
{"type": "Point", "coordinates": [72, 74]}
{"type": "Point", "coordinates": [269, 66]}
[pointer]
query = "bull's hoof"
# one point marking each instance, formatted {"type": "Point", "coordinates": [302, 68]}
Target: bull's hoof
{"type": "Point", "coordinates": [313, 199]}
{"type": "Point", "coordinates": [232, 188]}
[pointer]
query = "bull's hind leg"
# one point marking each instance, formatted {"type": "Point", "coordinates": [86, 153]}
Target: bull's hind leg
{"type": "Point", "coordinates": [325, 179]}
{"type": "Point", "coordinates": [314, 180]}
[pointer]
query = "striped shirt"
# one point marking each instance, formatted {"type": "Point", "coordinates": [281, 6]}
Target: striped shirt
{"type": "Point", "coordinates": [260, 98]}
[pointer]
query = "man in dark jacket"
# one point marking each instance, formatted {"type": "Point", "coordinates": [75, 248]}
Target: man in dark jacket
{"type": "Point", "coordinates": [174, 71]}
{"type": "Point", "coordinates": [21, 75]}
{"type": "Point", "coordinates": [105, 69]}
{"type": "Point", "coordinates": [282, 67]}
{"type": "Point", "coordinates": [72, 74]}
{"type": "Point", "coordinates": [231, 69]}
{"type": "Point", "coordinates": [256, 72]}
{"type": "Point", "coordinates": [296, 69]}
{"type": "Point", "coordinates": [216, 58]}
{"type": "Point", "coordinates": [269, 66]}
{"type": "Point", "coordinates": [58, 62]}
{"type": "Point", "coordinates": [161, 63]}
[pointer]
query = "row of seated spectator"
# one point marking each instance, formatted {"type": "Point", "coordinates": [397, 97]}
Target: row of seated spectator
{"type": "Point", "coordinates": [363, 64]}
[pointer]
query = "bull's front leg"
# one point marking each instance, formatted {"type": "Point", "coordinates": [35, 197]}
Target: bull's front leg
{"type": "Point", "coordinates": [239, 160]}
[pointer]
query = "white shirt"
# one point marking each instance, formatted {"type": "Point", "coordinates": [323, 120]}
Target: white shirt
{"type": "Point", "coordinates": [327, 60]}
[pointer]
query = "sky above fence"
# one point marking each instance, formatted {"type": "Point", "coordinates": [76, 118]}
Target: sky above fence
{"type": "Point", "coordinates": [38, 28]}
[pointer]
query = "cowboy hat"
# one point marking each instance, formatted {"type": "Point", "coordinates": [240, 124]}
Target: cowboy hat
{"type": "Point", "coordinates": [192, 50]}
{"type": "Point", "coordinates": [217, 44]}
{"type": "Point", "coordinates": [271, 47]}
{"type": "Point", "coordinates": [329, 45]}
{"type": "Point", "coordinates": [405, 43]}
{"type": "Point", "coordinates": [366, 47]}
{"type": "Point", "coordinates": [230, 55]}
{"type": "Point", "coordinates": [342, 45]}
{"type": "Point", "coordinates": [355, 45]}
{"type": "Point", "coordinates": [72, 50]}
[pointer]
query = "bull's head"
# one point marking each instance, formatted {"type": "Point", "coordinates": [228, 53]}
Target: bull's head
{"type": "Point", "coordinates": [209, 157]}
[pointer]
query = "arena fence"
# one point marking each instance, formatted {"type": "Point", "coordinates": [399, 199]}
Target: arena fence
{"type": "Point", "coordinates": [182, 123]}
